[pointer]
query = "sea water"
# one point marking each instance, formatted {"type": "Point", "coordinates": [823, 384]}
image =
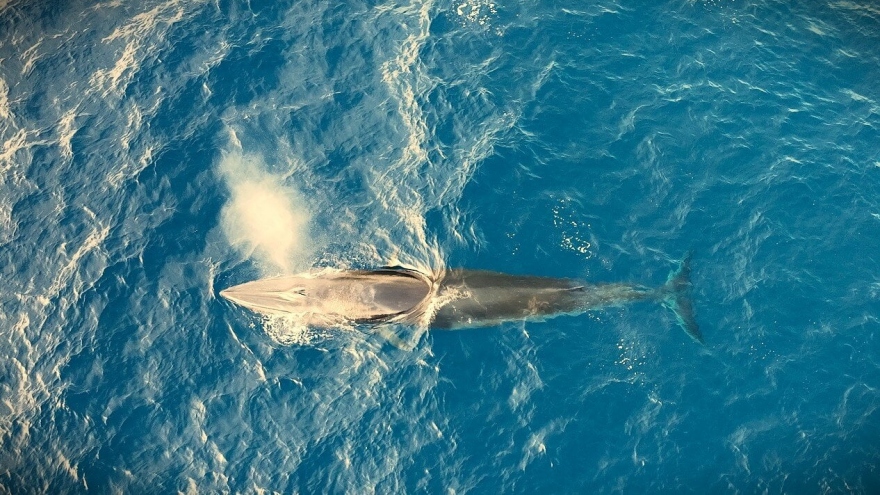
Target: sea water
{"type": "Point", "coordinates": [153, 153]}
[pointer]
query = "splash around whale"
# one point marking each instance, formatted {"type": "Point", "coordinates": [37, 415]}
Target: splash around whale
{"type": "Point", "coordinates": [454, 299]}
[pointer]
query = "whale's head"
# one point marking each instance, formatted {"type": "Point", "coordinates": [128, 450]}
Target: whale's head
{"type": "Point", "coordinates": [270, 296]}
{"type": "Point", "coordinates": [332, 295]}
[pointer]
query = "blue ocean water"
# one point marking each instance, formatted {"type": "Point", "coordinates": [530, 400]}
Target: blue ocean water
{"type": "Point", "coordinates": [153, 153]}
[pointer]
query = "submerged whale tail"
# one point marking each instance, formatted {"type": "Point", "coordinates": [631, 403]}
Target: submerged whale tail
{"type": "Point", "coordinates": [676, 296]}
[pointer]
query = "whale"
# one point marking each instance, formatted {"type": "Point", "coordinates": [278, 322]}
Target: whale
{"type": "Point", "coordinates": [454, 299]}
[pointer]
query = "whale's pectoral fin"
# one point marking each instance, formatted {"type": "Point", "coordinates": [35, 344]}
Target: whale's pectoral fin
{"type": "Point", "coordinates": [400, 337]}
{"type": "Point", "coordinates": [677, 297]}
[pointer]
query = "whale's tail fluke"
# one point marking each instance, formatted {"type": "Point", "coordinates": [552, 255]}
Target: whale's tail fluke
{"type": "Point", "coordinates": [676, 295]}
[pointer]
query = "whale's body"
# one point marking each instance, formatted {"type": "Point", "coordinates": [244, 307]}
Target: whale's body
{"type": "Point", "coordinates": [456, 299]}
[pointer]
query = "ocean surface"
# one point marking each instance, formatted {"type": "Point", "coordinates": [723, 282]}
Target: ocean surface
{"type": "Point", "coordinates": [153, 153]}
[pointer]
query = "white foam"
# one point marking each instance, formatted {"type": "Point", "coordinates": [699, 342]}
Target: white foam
{"type": "Point", "coordinates": [70, 272]}
{"type": "Point", "coordinates": [66, 131]}
{"type": "Point", "coordinates": [290, 330]}
{"type": "Point", "coordinates": [145, 26]}
{"type": "Point", "coordinates": [477, 12]}
{"type": "Point", "coordinates": [867, 9]}
{"type": "Point", "coordinates": [5, 111]}
{"type": "Point", "coordinates": [136, 145]}
{"type": "Point", "coordinates": [17, 142]}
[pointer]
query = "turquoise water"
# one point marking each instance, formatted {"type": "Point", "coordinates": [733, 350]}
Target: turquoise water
{"type": "Point", "coordinates": [155, 153]}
